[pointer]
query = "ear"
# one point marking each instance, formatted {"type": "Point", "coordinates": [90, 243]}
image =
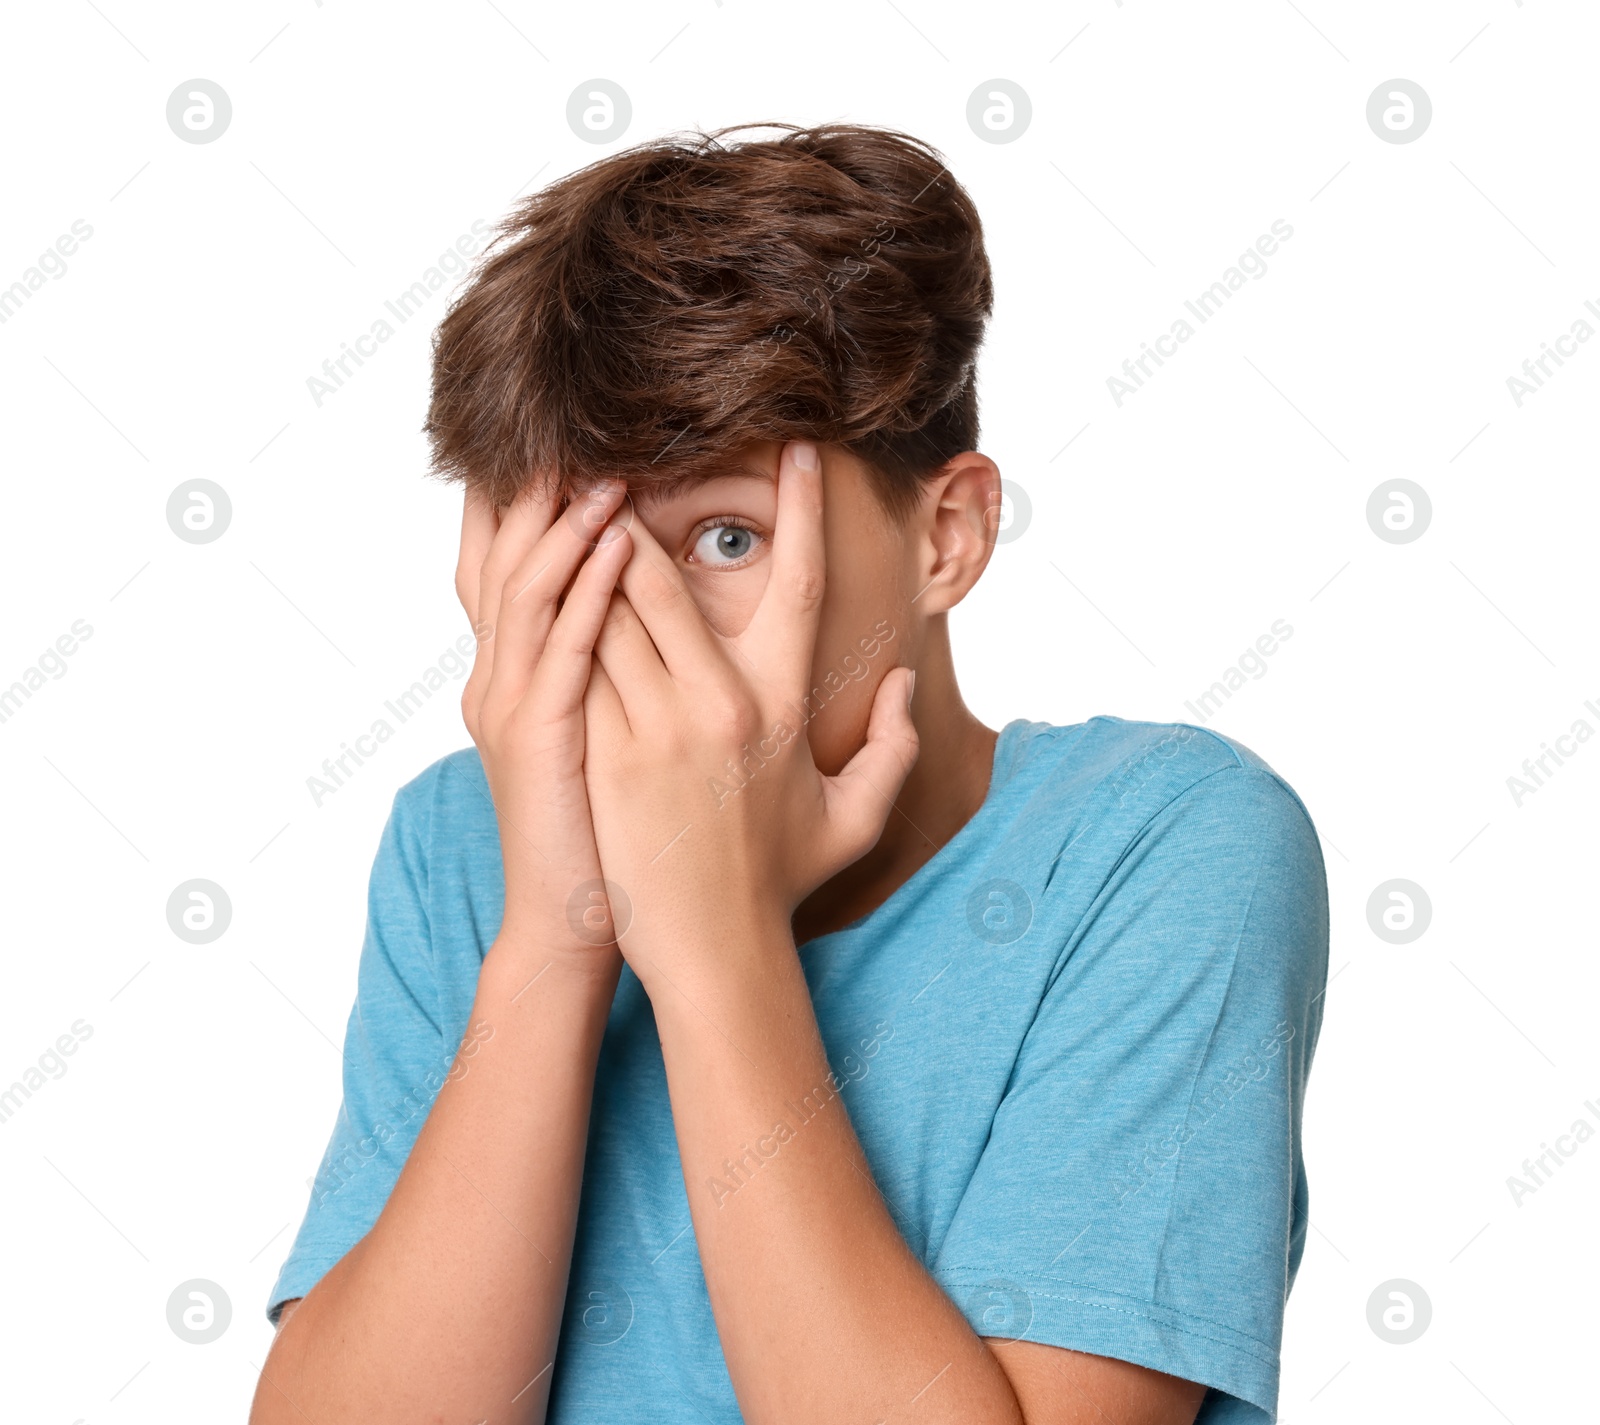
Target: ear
{"type": "Point", "coordinates": [957, 522]}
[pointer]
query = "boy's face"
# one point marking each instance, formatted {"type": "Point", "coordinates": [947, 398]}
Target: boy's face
{"type": "Point", "coordinates": [720, 532]}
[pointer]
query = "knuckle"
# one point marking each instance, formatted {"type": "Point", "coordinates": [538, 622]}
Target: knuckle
{"type": "Point", "coordinates": [523, 721]}
{"type": "Point", "coordinates": [565, 643]}
{"type": "Point", "coordinates": [542, 576]}
{"type": "Point", "coordinates": [860, 824]}
{"type": "Point", "coordinates": [467, 588]}
{"type": "Point", "coordinates": [732, 717]}
{"type": "Point", "coordinates": [807, 586]}
{"type": "Point", "coordinates": [490, 738]}
{"type": "Point", "coordinates": [498, 567]}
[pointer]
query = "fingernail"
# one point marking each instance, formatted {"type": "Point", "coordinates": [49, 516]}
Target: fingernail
{"type": "Point", "coordinates": [804, 454]}
{"type": "Point", "coordinates": [911, 686]}
{"type": "Point", "coordinates": [611, 533]}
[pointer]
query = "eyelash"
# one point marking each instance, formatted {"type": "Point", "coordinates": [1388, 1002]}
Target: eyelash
{"type": "Point", "coordinates": [723, 522]}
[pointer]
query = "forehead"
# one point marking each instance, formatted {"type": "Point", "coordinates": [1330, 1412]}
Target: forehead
{"type": "Point", "coordinates": [747, 472]}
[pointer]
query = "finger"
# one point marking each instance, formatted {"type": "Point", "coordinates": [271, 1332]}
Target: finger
{"type": "Point", "coordinates": [480, 522]}
{"type": "Point", "coordinates": [860, 798]}
{"type": "Point", "coordinates": [783, 633]}
{"type": "Point", "coordinates": [631, 663]}
{"type": "Point", "coordinates": [478, 525]}
{"type": "Point", "coordinates": [605, 718]}
{"type": "Point", "coordinates": [531, 595]}
{"type": "Point", "coordinates": [654, 586]}
{"type": "Point", "coordinates": [563, 671]}
{"type": "Point", "coordinates": [522, 523]}
{"type": "Point", "coordinates": [566, 540]}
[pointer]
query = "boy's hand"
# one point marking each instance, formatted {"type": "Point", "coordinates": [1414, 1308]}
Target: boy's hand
{"type": "Point", "coordinates": [678, 716]}
{"type": "Point", "coordinates": [523, 703]}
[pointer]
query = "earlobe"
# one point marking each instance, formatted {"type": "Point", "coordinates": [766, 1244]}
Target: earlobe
{"type": "Point", "coordinates": [962, 514]}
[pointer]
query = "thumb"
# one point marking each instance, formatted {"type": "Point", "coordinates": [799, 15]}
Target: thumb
{"type": "Point", "coordinates": [862, 795]}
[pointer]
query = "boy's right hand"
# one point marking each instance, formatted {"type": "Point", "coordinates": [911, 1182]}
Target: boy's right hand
{"type": "Point", "coordinates": [536, 582]}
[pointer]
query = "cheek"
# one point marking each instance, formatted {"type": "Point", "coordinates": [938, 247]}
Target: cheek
{"type": "Point", "coordinates": [844, 681]}
{"type": "Point", "coordinates": [728, 601]}
{"type": "Point", "coordinates": [838, 726]}
{"type": "Point", "coordinates": [863, 603]}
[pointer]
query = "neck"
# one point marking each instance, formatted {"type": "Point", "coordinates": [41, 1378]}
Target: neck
{"type": "Point", "coordinates": [945, 788]}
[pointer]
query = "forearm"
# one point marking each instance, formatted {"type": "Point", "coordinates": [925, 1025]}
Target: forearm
{"type": "Point", "coordinates": [450, 1307]}
{"type": "Point", "coordinates": [823, 1310]}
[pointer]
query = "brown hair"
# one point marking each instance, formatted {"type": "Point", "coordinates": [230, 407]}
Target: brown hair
{"type": "Point", "coordinates": [651, 313]}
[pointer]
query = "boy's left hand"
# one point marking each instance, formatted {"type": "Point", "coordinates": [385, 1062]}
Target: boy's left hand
{"type": "Point", "coordinates": [678, 716]}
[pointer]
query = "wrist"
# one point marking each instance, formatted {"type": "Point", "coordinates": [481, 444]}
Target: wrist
{"type": "Point", "coordinates": [541, 923]}
{"type": "Point", "coordinates": [721, 956]}
{"type": "Point", "coordinates": [519, 964]}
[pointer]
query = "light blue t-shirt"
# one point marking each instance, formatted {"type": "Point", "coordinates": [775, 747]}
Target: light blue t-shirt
{"type": "Point", "coordinates": [1074, 1046]}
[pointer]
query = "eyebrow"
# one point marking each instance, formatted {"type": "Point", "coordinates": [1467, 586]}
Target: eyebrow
{"type": "Point", "coordinates": [655, 491]}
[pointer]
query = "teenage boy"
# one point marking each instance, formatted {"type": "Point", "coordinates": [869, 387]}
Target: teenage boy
{"type": "Point", "coordinates": [745, 1031]}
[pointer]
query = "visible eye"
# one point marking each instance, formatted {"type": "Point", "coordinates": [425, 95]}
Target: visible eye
{"type": "Point", "coordinates": [724, 543]}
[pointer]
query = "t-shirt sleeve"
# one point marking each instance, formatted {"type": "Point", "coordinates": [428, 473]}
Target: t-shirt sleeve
{"type": "Point", "coordinates": [1142, 1194]}
{"type": "Point", "coordinates": [395, 1056]}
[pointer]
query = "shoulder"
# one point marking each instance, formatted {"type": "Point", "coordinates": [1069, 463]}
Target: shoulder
{"type": "Point", "coordinates": [1170, 817]}
{"type": "Point", "coordinates": [436, 876]}
{"type": "Point", "coordinates": [1128, 772]}
{"type": "Point", "coordinates": [1175, 856]}
{"type": "Point", "coordinates": [452, 786]}
{"type": "Point", "coordinates": [447, 803]}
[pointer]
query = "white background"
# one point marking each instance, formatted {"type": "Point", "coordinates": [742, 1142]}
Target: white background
{"type": "Point", "coordinates": [1229, 492]}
